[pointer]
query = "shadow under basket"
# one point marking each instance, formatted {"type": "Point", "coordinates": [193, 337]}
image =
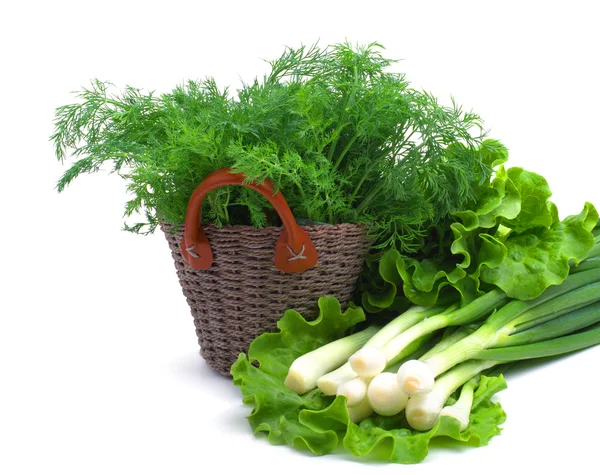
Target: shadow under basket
{"type": "Point", "coordinates": [243, 294]}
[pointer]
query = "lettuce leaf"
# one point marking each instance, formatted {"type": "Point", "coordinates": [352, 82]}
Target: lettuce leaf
{"type": "Point", "coordinates": [276, 408]}
{"type": "Point", "coordinates": [320, 424]}
{"type": "Point", "coordinates": [540, 258]}
{"type": "Point", "coordinates": [511, 238]}
{"type": "Point", "coordinates": [387, 295]}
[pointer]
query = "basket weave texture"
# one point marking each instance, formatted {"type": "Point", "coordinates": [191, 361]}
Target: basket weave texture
{"type": "Point", "coordinates": [243, 295]}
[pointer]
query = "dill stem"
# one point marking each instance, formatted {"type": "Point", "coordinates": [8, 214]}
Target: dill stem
{"type": "Point", "coordinates": [225, 208]}
{"type": "Point", "coordinates": [343, 154]}
{"type": "Point", "coordinates": [372, 194]}
{"type": "Point", "coordinates": [342, 120]}
{"type": "Point", "coordinates": [298, 185]}
{"type": "Point", "coordinates": [358, 185]}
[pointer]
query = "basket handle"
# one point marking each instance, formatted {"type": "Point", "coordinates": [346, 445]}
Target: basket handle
{"type": "Point", "coordinates": [294, 251]}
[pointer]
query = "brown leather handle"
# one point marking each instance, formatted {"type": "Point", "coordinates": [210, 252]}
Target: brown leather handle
{"type": "Point", "coordinates": [294, 250]}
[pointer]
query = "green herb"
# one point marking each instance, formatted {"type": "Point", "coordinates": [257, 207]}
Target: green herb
{"type": "Point", "coordinates": [343, 137]}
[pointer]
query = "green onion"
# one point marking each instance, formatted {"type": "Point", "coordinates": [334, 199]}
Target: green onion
{"type": "Point", "coordinates": [423, 410]}
{"type": "Point", "coordinates": [575, 292]}
{"type": "Point", "coordinates": [330, 382]}
{"type": "Point", "coordinates": [552, 347]}
{"type": "Point", "coordinates": [371, 361]}
{"type": "Point", "coordinates": [461, 410]}
{"type": "Point", "coordinates": [304, 371]}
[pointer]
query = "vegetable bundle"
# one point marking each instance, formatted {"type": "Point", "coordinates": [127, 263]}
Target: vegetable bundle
{"type": "Point", "coordinates": [371, 380]}
{"type": "Point", "coordinates": [429, 372]}
{"type": "Point", "coordinates": [320, 423]}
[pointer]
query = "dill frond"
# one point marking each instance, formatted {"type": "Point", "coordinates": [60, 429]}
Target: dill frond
{"type": "Point", "coordinates": [343, 137]}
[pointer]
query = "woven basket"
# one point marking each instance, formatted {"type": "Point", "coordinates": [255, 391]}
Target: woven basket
{"type": "Point", "coordinates": [243, 294]}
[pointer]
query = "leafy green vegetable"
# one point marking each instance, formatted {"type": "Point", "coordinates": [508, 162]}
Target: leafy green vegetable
{"type": "Point", "coordinates": [541, 256]}
{"type": "Point", "coordinates": [344, 138]}
{"type": "Point", "coordinates": [277, 408]}
{"type": "Point", "coordinates": [511, 238]}
{"type": "Point", "coordinates": [321, 423]}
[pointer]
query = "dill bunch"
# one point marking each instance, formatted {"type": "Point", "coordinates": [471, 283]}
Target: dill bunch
{"type": "Point", "coordinates": [342, 136]}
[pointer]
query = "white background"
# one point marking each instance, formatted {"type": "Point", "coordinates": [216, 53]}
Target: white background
{"type": "Point", "coordinates": [99, 367]}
